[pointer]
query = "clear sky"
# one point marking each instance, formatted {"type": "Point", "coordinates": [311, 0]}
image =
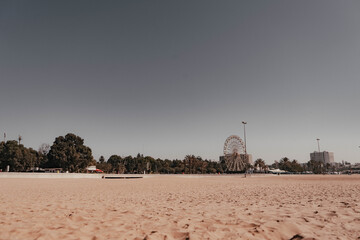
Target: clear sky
{"type": "Point", "coordinates": [171, 78]}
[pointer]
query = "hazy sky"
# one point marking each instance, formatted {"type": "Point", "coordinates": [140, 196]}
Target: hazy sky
{"type": "Point", "coordinates": [170, 78]}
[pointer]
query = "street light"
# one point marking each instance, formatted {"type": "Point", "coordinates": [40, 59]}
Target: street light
{"type": "Point", "coordinates": [318, 139]}
{"type": "Point", "coordinates": [323, 154]}
{"type": "Point", "coordinates": [245, 137]}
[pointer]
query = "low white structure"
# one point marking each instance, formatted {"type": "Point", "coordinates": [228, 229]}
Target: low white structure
{"type": "Point", "coordinates": [91, 168]}
{"type": "Point", "coordinates": [277, 171]}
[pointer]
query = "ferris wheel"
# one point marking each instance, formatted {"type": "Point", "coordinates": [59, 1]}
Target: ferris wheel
{"type": "Point", "coordinates": [234, 154]}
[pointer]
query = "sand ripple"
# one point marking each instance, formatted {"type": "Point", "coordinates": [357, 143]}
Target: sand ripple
{"type": "Point", "coordinates": [169, 207]}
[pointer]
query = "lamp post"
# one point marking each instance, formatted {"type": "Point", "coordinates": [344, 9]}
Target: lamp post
{"type": "Point", "coordinates": [245, 136]}
{"type": "Point", "coordinates": [318, 139]}
{"type": "Point", "coordinates": [321, 155]}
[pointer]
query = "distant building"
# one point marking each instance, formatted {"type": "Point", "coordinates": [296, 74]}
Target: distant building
{"type": "Point", "coordinates": [324, 157]}
{"type": "Point", "coordinates": [249, 157]}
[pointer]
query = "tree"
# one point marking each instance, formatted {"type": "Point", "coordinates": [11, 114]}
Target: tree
{"type": "Point", "coordinates": [296, 167]}
{"type": "Point", "coordinates": [104, 166]}
{"type": "Point", "coordinates": [70, 154]}
{"type": "Point", "coordinates": [328, 167]}
{"type": "Point", "coordinates": [204, 165]}
{"type": "Point", "coordinates": [116, 163]}
{"type": "Point", "coordinates": [275, 164]}
{"type": "Point", "coordinates": [285, 164]}
{"type": "Point", "coordinates": [130, 164]}
{"type": "Point", "coordinates": [190, 164]}
{"type": "Point", "coordinates": [260, 164]}
{"type": "Point", "coordinates": [315, 166]}
{"type": "Point", "coordinates": [17, 157]}
{"type": "Point", "coordinates": [290, 166]}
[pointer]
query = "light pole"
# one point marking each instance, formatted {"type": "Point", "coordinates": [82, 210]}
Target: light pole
{"type": "Point", "coordinates": [245, 137]}
{"type": "Point", "coordinates": [318, 139]}
{"type": "Point", "coordinates": [322, 155]}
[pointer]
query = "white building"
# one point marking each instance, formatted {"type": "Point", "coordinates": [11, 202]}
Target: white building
{"type": "Point", "coordinates": [324, 157]}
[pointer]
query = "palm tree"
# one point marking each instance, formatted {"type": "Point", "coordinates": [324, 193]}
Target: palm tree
{"type": "Point", "coordinates": [260, 164]}
{"type": "Point", "coordinates": [285, 164]}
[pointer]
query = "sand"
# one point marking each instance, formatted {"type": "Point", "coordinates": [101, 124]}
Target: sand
{"type": "Point", "coordinates": [176, 207]}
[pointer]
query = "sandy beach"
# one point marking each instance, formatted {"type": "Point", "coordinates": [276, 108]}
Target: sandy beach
{"type": "Point", "coordinates": [177, 207]}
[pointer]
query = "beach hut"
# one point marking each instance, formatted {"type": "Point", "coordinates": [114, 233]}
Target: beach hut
{"type": "Point", "coordinates": [91, 169]}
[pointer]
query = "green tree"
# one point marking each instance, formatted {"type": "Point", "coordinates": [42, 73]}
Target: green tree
{"type": "Point", "coordinates": [275, 164]}
{"type": "Point", "coordinates": [260, 164]}
{"type": "Point", "coordinates": [190, 164]}
{"type": "Point", "coordinates": [285, 164]}
{"type": "Point", "coordinates": [18, 157]}
{"type": "Point", "coordinates": [296, 167]}
{"type": "Point", "coordinates": [70, 154]}
{"type": "Point", "coordinates": [130, 164]}
{"type": "Point", "coordinates": [178, 166]}
{"type": "Point", "coordinates": [116, 163]}
{"type": "Point", "coordinates": [315, 166]}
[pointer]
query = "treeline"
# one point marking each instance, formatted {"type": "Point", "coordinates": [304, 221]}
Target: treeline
{"type": "Point", "coordinates": [287, 165]}
{"type": "Point", "coordinates": [70, 154]}
{"type": "Point", "coordinates": [141, 164]}
{"type": "Point", "coordinates": [313, 166]}
{"type": "Point", "coordinates": [18, 157]}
